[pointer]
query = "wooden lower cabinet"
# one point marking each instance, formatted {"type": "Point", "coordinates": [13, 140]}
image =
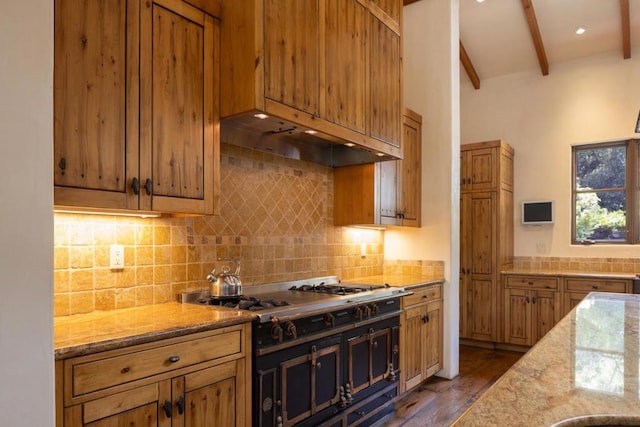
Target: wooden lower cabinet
{"type": "Point", "coordinates": [575, 289]}
{"type": "Point", "coordinates": [529, 315]}
{"type": "Point", "coordinates": [215, 391]}
{"type": "Point", "coordinates": [421, 336]}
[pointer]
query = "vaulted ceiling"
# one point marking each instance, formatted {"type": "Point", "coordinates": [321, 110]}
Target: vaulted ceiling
{"type": "Point", "coordinates": [499, 37]}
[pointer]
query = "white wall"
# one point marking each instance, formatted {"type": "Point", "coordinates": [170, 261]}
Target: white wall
{"type": "Point", "coordinates": [591, 100]}
{"type": "Point", "coordinates": [431, 88]}
{"type": "Point", "coordinates": [26, 216]}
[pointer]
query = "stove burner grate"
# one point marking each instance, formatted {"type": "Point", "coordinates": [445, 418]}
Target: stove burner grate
{"type": "Point", "coordinates": [331, 289]}
{"type": "Point", "coordinates": [247, 303]}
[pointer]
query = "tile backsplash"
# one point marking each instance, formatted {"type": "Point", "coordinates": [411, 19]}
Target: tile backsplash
{"type": "Point", "coordinates": [276, 216]}
{"type": "Point", "coordinates": [599, 265]}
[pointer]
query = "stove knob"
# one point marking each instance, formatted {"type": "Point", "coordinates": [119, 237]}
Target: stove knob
{"type": "Point", "coordinates": [330, 320]}
{"type": "Point", "coordinates": [358, 313]}
{"type": "Point", "coordinates": [290, 330]}
{"type": "Point", "coordinates": [375, 310]}
{"type": "Point", "coordinates": [276, 332]}
{"type": "Point", "coordinates": [367, 311]}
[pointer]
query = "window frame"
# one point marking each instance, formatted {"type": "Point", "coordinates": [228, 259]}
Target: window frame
{"type": "Point", "coordinates": [631, 188]}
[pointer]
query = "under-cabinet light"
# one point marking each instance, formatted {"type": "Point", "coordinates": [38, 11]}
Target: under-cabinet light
{"type": "Point", "coordinates": [311, 131]}
{"type": "Point", "coordinates": [349, 144]}
{"type": "Point", "coordinates": [117, 213]}
{"type": "Point", "coordinates": [261, 116]}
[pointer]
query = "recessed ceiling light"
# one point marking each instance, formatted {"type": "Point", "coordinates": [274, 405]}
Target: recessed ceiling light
{"type": "Point", "coordinates": [580, 30]}
{"type": "Point", "coordinates": [261, 116]}
{"type": "Point", "coordinates": [480, 1]}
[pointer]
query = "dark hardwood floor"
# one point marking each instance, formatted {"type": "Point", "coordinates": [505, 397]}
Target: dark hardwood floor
{"type": "Point", "coordinates": [438, 402]}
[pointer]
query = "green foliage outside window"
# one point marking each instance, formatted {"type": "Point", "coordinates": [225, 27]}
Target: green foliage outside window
{"type": "Point", "coordinates": [600, 193]}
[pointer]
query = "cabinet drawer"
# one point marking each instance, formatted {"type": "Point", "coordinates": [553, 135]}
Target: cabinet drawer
{"type": "Point", "coordinates": [122, 368]}
{"type": "Point", "coordinates": [423, 294]}
{"type": "Point", "coordinates": [588, 285]}
{"type": "Point", "coordinates": [532, 282]}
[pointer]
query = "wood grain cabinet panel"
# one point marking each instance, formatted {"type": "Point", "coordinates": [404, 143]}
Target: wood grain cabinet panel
{"type": "Point", "coordinates": [421, 336]}
{"type": "Point", "coordinates": [384, 193]}
{"type": "Point", "coordinates": [136, 106]}
{"type": "Point", "coordinates": [201, 384]}
{"type": "Point", "coordinates": [486, 236]}
{"type": "Point", "coordinates": [292, 57]}
{"type": "Point", "coordinates": [531, 308]}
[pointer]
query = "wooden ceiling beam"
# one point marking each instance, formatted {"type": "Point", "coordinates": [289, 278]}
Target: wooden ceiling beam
{"type": "Point", "coordinates": [468, 67]}
{"type": "Point", "coordinates": [535, 35]}
{"type": "Point", "coordinates": [626, 29]}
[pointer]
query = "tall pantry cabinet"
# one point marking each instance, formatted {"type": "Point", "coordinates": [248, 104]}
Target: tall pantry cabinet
{"type": "Point", "coordinates": [486, 235]}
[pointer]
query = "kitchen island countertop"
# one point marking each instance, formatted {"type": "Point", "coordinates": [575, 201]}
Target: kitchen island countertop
{"type": "Point", "coordinates": [82, 334]}
{"type": "Point", "coordinates": [583, 372]}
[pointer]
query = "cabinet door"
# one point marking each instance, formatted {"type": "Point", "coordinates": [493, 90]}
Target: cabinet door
{"type": "Point", "coordinates": [433, 332]}
{"type": "Point", "coordinates": [385, 83]}
{"type": "Point", "coordinates": [479, 169]}
{"type": "Point", "coordinates": [410, 171]}
{"type": "Point", "coordinates": [545, 306]}
{"type": "Point", "coordinates": [177, 111]}
{"type": "Point", "coordinates": [345, 63]}
{"type": "Point", "coordinates": [292, 53]}
{"type": "Point", "coordinates": [390, 173]}
{"type": "Point", "coordinates": [481, 309]}
{"type": "Point", "coordinates": [140, 407]}
{"type": "Point", "coordinates": [210, 397]}
{"type": "Point", "coordinates": [413, 347]}
{"type": "Point", "coordinates": [95, 103]}
{"type": "Point", "coordinates": [517, 316]}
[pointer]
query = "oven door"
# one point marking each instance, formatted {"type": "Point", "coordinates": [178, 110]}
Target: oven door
{"type": "Point", "coordinates": [296, 383]}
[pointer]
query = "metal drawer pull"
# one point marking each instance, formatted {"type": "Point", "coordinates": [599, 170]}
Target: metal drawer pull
{"type": "Point", "coordinates": [181, 405]}
{"type": "Point", "coordinates": [174, 359]}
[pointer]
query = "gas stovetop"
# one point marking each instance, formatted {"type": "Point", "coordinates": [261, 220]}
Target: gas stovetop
{"type": "Point", "coordinates": [296, 298]}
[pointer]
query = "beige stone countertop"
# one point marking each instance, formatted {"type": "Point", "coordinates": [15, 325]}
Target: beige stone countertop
{"type": "Point", "coordinates": [583, 372]}
{"type": "Point", "coordinates": [82, 334]}
{"type": "Point", "coordinates": [397, 280]}
{"type": "Point", "coordinates": [571, 273]}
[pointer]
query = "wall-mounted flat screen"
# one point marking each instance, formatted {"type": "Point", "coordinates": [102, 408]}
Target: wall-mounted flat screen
{"type": "Point", "coordinates": [537, 213]}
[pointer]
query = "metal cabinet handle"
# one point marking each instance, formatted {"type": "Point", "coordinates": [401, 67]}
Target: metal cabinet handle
{"type": "Point", "coordinates": [148, 186]}
{"type": "Point", "coordinates": [167, 408]}
{"type": "Point", "coordinates": [174, 359]}
{"type": "Point", "coordinates": [181, 405]}
{"type": "Point", "coordinates": [135, 186]}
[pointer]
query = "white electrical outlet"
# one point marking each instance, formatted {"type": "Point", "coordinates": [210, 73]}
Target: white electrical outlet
{"type": "Point", "coordinates": [116, 257]}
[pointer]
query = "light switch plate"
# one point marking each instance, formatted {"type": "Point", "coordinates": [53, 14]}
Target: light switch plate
{"type": "Point", "coordinates": [116, 257]}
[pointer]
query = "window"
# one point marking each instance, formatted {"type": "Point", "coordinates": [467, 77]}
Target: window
{"type": "Point", "coordinates": [603, 190]}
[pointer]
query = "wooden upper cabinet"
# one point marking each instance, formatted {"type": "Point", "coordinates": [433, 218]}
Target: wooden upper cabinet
{"type": "Point", "coordinates": [410, 185]}
{"type": "Point", "coordinates": [135, 106]}
{"type": "Point", "coordinates": [345, 73]}
{"type": "Point", "coordinates": [291, 53]}
{"type": "Point", "coordinates": [95, 100]}
{"type": "Point", "coordinates": [391, 8]}
{"type": "Point", "coordinates": [177, 109]}
{"type": "Point", "coordinates": [385, 81]}
{"type": "Point", "coordinates": [384, 193]}
{"type": "Point", "coordinates": [330, 65]}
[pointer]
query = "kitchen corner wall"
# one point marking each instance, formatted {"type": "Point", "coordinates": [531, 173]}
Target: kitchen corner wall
{"type": "Point", "coordinates": [276, 216]}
